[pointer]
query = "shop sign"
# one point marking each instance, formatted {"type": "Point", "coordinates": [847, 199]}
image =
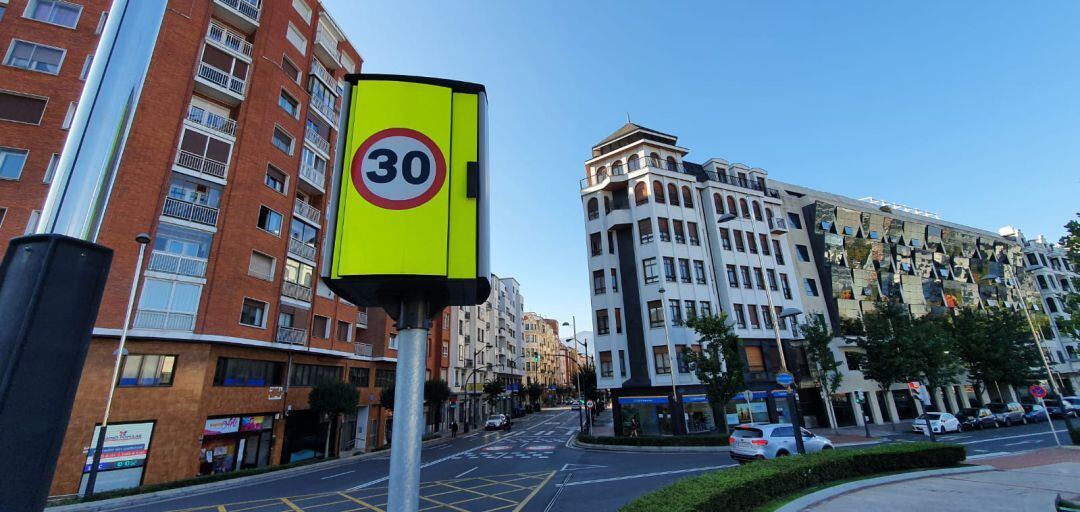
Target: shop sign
{"type": "Point", "coordinates": [218, 426]}
{"type": "Point", "coordinates": [631, 400]}
{"type": "Point", "coordinates": [276, 393]}
{"type": "Point", "coordinates": [253, 423]}
{"type": "Point", "coordinates": [694, 399]}
{"type": "Point", "coordinates": [126, 446]}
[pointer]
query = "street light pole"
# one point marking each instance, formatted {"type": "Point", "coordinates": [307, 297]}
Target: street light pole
{"type": "Point", "coordinates": [673, 367]}
{"type": "Point", "coordinates": [581, 391]}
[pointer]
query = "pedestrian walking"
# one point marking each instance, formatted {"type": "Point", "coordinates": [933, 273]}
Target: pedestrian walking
{"type": "Point", "coordinates": [453, 429]}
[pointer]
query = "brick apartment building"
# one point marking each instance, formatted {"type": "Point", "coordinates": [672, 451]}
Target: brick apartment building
{"type": "Point", "coordinates": [227, 168]}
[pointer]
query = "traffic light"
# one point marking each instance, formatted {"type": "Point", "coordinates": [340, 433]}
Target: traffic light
{"type": "Point", "coordinates": [536, 357]}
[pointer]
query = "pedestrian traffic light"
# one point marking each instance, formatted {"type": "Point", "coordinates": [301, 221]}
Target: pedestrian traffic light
{"type": "Point", "coordinates": [536, 357]}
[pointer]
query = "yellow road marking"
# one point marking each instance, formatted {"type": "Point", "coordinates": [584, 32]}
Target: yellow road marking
{"type": "Point", "coordinates": [480, 494]}
{"type": "Point", "coordinates": [290, 505]}
{"type": "Point", "coordinates": [362, 502]}
{"type": "Point", "coordinates": [447, 505]}
{"type": "Point", "coordinates": [534, 492]}
{"type": "Point", "coordinates": [221, 508]}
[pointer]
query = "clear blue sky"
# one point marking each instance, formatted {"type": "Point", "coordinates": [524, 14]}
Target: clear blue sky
{"type": "Point", "coordinates": [970, 109]}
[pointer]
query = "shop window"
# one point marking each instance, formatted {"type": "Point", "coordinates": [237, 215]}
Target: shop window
{"type": "Point", "coordinates": [146, 370]}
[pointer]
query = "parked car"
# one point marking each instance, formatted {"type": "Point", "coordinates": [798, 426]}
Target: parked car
{"type": "Point", "coordinates": [972, 418]}
{"type": "Point", "coordinates": [497, 422]}
{"type": "Point", "coordinates": [1035, 413]}
{"type": "Point", "coordinates": [1008, 414]}
{"type": "Point", "coordinates": [1072, 406]}
{"type": "Point", "coordinates": [940, 422]}
{"type": "Point", "coordinates": [767, 441]}
{"type": "Point", "coordinates": [575, 406]}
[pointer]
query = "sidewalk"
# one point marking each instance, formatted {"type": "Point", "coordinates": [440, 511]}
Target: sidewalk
{"type": "Point", "coordinates": [1028, 481]}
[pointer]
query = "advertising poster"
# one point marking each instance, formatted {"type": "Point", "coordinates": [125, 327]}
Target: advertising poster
{"type": "Point", "coordinates": [126, 446]}
{"type": "Point", "coordinates": [218, 426]}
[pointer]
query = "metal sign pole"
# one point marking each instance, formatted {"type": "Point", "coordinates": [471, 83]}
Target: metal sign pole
{"type": "Point", "coordinates": [413, 325]}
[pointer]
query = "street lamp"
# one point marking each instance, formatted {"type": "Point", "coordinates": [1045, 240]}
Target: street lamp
{"type": "Point", "coordinates": [91, 479]}
{"type": "Point", "coordinates": [676, 406]}
{"type": "Point", "coordinates": [472, 406]}
{"type": "Point", "coordinates": [581, 392]}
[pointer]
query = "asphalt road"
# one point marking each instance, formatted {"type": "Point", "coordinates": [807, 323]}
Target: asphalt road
{"type": "Point", "coordinates": [991, 442]}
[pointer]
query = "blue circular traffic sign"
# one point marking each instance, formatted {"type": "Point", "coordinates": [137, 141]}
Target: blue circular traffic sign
{"type": "Point", "coordinates": [1037, 391]}
{"type": "Point", "coordinates": [785, 379]}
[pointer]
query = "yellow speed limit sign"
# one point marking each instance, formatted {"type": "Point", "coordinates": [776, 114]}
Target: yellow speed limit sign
{"type": "Point", "coordinates": [411, 199]}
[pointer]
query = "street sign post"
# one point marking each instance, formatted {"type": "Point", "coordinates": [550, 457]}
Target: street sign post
{"type": "Point", "coordinates": [408, 226]}
{"type": "Point", "coordinates": [785, 378]}
{"type": "Point", "coordinates": [1039, 393]}
{"type": "Point", "coordinates": [923, 395]}
{"type": "Point", "coordinates": [589, 404]}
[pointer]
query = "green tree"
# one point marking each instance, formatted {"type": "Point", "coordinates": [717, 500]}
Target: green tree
{"type": "Point", "coordinates": [936, 361]}
{"type": "Point", "coordinates": [885, 359]}
{"type": "Point", "coordinates": [995, 346]}
{"type": "Point", "coordinates": [333, 399]}
{"type": "Point", "coordinates": [1070, 325]}
{"type": "Point", "coordinates": [492, 390]}
{"type": "Point", "coordinates": [386, 397]}
{"type": "Point", "coordinates": [588, 382]}
{"type": "Point", "coordinates": [823, 364]}
{"type": "Point", "coordinates": [719, 366]}
{"type": "Point", "coordinates": [436, 392]}
{"type": "Point", "coordinates": [535, 391]}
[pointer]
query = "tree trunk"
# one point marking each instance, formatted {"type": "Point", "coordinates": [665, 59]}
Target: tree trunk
{"type": "Point", "coordinates": [720, 417]}
{"type": "Point", "coordinates": [829, 413]}
{"type": "Point", "coordinates": [326, 450]}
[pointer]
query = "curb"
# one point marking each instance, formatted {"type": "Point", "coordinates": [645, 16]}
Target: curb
{"type": "Point", "coordinates": [823, 495]}
{"type": "Point", "coordinates": [574, 443]}
{"type": "Point", "coordinates": [269, 476]}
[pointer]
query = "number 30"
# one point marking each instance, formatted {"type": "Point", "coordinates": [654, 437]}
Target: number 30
{"type": "Point", "coordinates": [387, 159]}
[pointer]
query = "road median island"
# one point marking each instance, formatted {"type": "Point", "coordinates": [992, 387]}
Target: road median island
{"type": "Point", "coordinates": [763, 482]}
{"type": "Point", "coordinates": [704, 443]}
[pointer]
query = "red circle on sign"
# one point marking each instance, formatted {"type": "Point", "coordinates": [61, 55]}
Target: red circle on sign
{"type": "Point", "coordinates": [1037, 391]}
{"type": "Point", "coordinates": [398, 204]}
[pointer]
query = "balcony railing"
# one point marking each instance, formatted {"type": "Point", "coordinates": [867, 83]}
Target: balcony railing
{"type": "Point", "coordinates": [229, 39]}
{"type": "Point", "coordinates": [307, 211]}
{"type": "Point", "coordinates": [312, 175]}
{"type": "Point", "coordinates": [325, 75]}
{"type": "Point", "coordinates": [186, 210]}
{"type": "Point", "coordinates": [777, 225]}
{"type": "Point", "coordinates": [290, 335]}
{"type": "Point", "coordinates": [164, 320]}
{"type": "Point", "coordinates": [632, 166]}
{"type": "Point", "coordinates": [329, 43]}
{"type": "Point", "coordinates": [326, 107]}
{"type": "Point", "coordinates": [363, 349]}
{"type": "Point", "coordinates": [221, 78]}
{"type": "Point", "coordinates": [317, 140]}
{"type": "Point", "coordinates": [361, 318]}
{"type": "Point", "coordinates": [212, 121]}
{"type": "Point", "coordinates": [301, 249]}
{"type": "Point", "coordinates": [201, 164]}
{"type": "Point", "coordinates": [296, 291]}
{"type": "Point", "coordinates": [161, 261]}
{"type": "Point", "coordinates": [247, 8]}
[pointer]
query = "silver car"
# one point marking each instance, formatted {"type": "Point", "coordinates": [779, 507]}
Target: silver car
{"type": "Point", "coordinates": [768, 441]}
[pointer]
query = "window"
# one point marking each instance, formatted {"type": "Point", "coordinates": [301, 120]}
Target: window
{"type": "Point", "coordinates": [767, 317]}
{"type": "Point", "coordinates": [343, 330]}
{"type": "Point", "coordinates": [253, 313]}
{"type": "Point", "coordinates": [658, 191]}
{"type": "Point", "coordinates": [602, 322]}
{"type": "Point", "coordinates": [764, 244]}
{"type": "Point", "coordinates": [11, 163]}
{"type": "Point", "coordinates": [261, 266]}
{"type": "Point", "coordinates": [803, 252]}
{"type": "Point", "coordinates": [680, 237]}
{"type": "Point", "coordinates": [50, 170]}
{"type": "Point", "coordinates": [598, 282]}
{"type": "Point", "coordinates": [645, 234]}
{"type": "Point", "coordinates": [614, 281]}
{"type": "Point", "coordinates": [596, 244]}
{"type": "Point", "coordinates": [751, 243]}
{"type": "Point", "coordinates": [691, 309]}
{"type": "Point", "coordinates": [307, 375]}
{"type": "Point", "coordinates": [656, 313]}
{"type": "Point", "coordinates": [69, 116]}
{"type": "Point", "coordinates": [725, 239]}
{"type": "Point", "coordinates": [622, 363]}
{"type": "Point", "coordinates": [248, 372]}
{"type": "Point", "coordinates": [167, 304]}
{"type": "Point", "coordinates": [32, 222]}
{"type": "Point", "coordinates": [757, 211]}
{"type": "Point", "coordinates": [289, 104]}
{"type": "Point", "coordinates": [34, 57]}
{"type": "Point", "coordinates": [360, 377]}
{"type": "Point", "coordinates": [2, 9]}
{"type": "Point", "coordinates": [732, 276]}
{"type": "Point", "coordinates": [384, 378]}
{"type": "Point", "coordinates": [282, 140]}
{"type": "Point", "coordinates": [706, 308]}
{"type": "Point", "coordinates": [669, 268]}
{"type": "Point", "coordinates": [755, 323]}
{"type": "Point", "coordinates": [747, 283]}
{"type": "Point", "coordinates": [593, 208]}
{"type": "Point", "coordinates": [320, 327]}
{"type": "Point", "coordinates": [688, 198]}
{"type": "Point", "coordinates": [755, 360]}
{"type": "Point", "coordinates": [290, 69]}
{"type": "Point", "coordinates": [648, 269]}
{"type": "Point", "coordinates": [292, 34]}
{"type": "Point", "coordinates": [303, 9]}
{"type": "Point", "coordinates": [771, 274]}
{"type": "Point", "coordinates": [718, 203]}
{"type": "Point", "coordinates": [101, 23]}
{"type": "Point", "coordinates": [21, 109]}
{"type": "Point", "coordinates": [744, 208]}
{"type": "Point", "coordinates": [699, 271]}
{"type": "Point", "coordinates": [785, 286]}
{"type": "Point", "coordinates": [611, 242]}
{"type": "Point", "coordinates": [691, 228]}
{"type": "Point", "coordinates": [269, 221]}
{"type": "Point", "coordinates": [740, 316]}
{"type": "Point", "coordinates": [55, 12]}
{"type": "Point", "coordinates": [676, 311]}
{"type": "Point", "coordinates": [684, 270]}
{"type": "Point", "coordinates": [796, 222]}
{"type": "Point", "coordinates": [146, 370]}
{"type": "Point", "coordinates": [86, 67]}
{"type": "Point", "coordinates": [661, 361]}
{"type": "Point", "coordinates": [275, 179]}
{"type": "Point", "coordinates": [606, 371]}
{"type": "Point", "coordinates": [618, 321]}
{"type": "Point", "coordinates": [665, 232]}
{"type": "Point", "coordinates": [811, 287]}
{"type": "Point", "coordinates": [673, 194]}
{"type": "Point", "coordinates": [731, 206]}
{"type": "Point", "coordinates": [739, 244]}
{"type": "Point", "coordinates": [641, 194]}
{"type": "Point", "coordinates": [779, 253]}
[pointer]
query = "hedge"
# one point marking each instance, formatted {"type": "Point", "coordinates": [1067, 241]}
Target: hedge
{"type": "Point", "coordinates": [759, 483]}
{"type": "Point", "coordinates": [1074, 433]}
{"type": "Point", "coordinates": [706, 440]}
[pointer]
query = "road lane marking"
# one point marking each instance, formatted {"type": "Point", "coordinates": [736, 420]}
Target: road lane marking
{"type": "Point", "coordinates": [432, 463]}
{"type": "Point", "coordinates": [290, 505]}
{"type": "Point", "coordinates": [467, 472]}
{"type": "Point", "coordinates": [558, 491]}
{"type": "Point", "coordinates": [1029, 441]}
{"type": "Point", "coordinates": [1006, 438]}
{"type": "Point", "coordinates": [533, 493]}
{"type": "Point", "coordinates": [988, 455]}
{"type": "Point", "coordinates": [338, 474]}
{"type": "Point", "coordinates": [646, 475]}
{"type": "Point", "coordinates": [574, 467]}
{"type": "Point", "coordinates": [361, 502]}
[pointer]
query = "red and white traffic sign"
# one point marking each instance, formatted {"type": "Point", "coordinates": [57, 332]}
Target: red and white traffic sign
{"type": "Point", "coordinates": [914, 386]}
{"type": "Point", "coordinates": [1037, 391]}
{"type": "Point", "coordinates": [398, 169]}
{"type": "Point", "coordinates": [589, 404]}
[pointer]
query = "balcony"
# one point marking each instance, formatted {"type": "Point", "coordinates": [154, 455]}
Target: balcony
{"type": "Point", "coordinates": [325, 76]}
{"type": "Point", "coordinates": [178, 264]}
{"type": "Point", "coordinates": [244, 14]}
{"type": "Point", "coordinates": [186, 210]}
{"type": "Point", "coordinates": [213, 122]}
{"type": "Point", "coordinates": [201, 167]}
{"type": "Point", "coordinates": [164, 320]}
{"type": "Point", "coordinates": [307, 212]}
{"type": "Point", "coordinates": [363, 349]}
{"type": "Point", "coordinates": [315, 140]}
{"type": "Point", "coordinates": [296, 291]}
{"type": "Point", "coordinates": [361, 319]}
{"type": "Point", "coordinates": [326, 47]}
{"type": "Point", "coordinates": [229, 41]}
{"type": "Point", "coordinates": [326, 109]}
{"type": "Point", "coordinates": [313, 177]}
{"type": "Point", "coordinates": [777, 226]}
{"type": "Point", "coordinates": [220, 85]}
{"type": "Point", "coordinates": [290, 335]}
{"type": "Point", "coordinates": [301, 250]}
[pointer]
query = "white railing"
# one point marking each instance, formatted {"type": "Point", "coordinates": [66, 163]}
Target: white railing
{"type": "Point", "coordinates": [212, 121]}
{"type": "Point", "coordinates": [307, 211]}
{"type": "Point", "coordinates": [301, 249]}
{"type": "Point", "coordinates": [164, 320]}
{"type": "Point", "coordinates": [186, 210]}
{"type": "Point", "coordinates": [324, 74]}
{"type": "Point", "coordinates": [317, 140]}
{"type": "Point", "coordinates": [221, 78]}
{"type": "Point", "coordinates": [247, 8]}
{"type": "Point", "coordinates": [201, 164]}
{"type": "Point", "coordinates": [363, 349]}
{"type": "Point", "coordinates": [179, 264]}
{"type": "Point", "coordinates": [325, 107]}
{"type": "Point", "coordinates": [228, 39]}
{"type": "Point", "coordinates": [328, 42]}
{"type": "Point", "coordinates": [361, 318]}
{"type": "Point", "coordinates": [290, 335]}
{"type": "Point", "coordinates": [313, 175]}
{"type": "Point", "coordinates": [296, 291]}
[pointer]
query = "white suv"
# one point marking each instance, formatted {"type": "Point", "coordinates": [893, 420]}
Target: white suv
{"type": "Point", "coordinates": [768, 441]}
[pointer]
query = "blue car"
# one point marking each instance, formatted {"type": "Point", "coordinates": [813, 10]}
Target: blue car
{"type": "Point", "coordinates": [1035, 413]}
